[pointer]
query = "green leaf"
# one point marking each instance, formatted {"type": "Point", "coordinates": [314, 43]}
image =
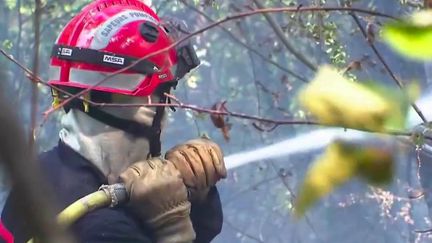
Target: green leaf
{"type": "Point", "coordinates": [413, 37]}
{"type": "Point", "coordinates": [11, 4]}
{"type": "Point", "coordinates": [7, 44]}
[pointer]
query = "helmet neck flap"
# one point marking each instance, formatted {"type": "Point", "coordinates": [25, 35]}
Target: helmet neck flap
{"type": "Point", "coordinates": [133, 128]}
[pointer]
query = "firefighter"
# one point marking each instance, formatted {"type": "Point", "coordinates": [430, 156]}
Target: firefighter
{"type": "Point", "coordinates": [172, 198]}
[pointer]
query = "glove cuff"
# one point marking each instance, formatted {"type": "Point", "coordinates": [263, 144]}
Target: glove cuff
{"type": "Point", "coordinates": [179, 232]}
{"type": "Point", "coordinates": [174, 225]}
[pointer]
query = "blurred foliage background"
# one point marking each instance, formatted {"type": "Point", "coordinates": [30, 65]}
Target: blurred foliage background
{"type": "Point", "coordinates": [257, 198]}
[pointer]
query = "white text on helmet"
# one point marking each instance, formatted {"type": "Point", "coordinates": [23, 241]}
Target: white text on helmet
{"type": "Point", "coordinates": [66, 52]}
{"type": "Point", "coordinates": [113, 59]}
{"type": "Point", "coordinates": [112, 25]}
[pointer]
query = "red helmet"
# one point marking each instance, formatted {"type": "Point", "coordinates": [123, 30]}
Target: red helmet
{"type": "Point", "coordinates": [109, 35]}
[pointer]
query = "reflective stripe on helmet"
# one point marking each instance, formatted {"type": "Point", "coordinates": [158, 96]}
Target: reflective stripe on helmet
{"type": "Point", "coordinates": [123, 81]}
{"type": "Point", "coordinates": [112, 25]}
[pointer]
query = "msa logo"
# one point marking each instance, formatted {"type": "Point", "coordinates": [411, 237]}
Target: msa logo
{"type": "Point", "coordinates": [163, 76]}
{"type": "Point", "coordinates": [66, 52]}
{"type": "Point", "coordinates": [114, 60]}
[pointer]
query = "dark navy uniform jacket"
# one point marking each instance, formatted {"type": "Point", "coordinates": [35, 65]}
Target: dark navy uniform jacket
{"type": "Point", "coordinates": [72, 177]}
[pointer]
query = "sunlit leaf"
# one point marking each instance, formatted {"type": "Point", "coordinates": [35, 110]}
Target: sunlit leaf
{"type": "Point", "coordinates": [11, 4]}
{"type": "Point", "coordinates": [412, 37]}
{"type": "Point", "coordinates": [342, 161]}
{"type": "Point", "coordinates": [7, 44]}
{"type": "Point", "coordinates": [192, 82]}
{"type": "Point", "coordinates": [337, 101]}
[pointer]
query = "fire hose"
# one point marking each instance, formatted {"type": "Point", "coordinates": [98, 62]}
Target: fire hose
{"type": "Point", "coordinates": [107, 195]}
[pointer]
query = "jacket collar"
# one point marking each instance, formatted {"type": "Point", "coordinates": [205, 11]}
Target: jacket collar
{"type": "Point", "coordinates": [76, 161]}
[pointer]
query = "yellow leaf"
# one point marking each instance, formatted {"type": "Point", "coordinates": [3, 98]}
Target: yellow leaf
{"type": "Point", "coordinates": [331, 170]}
{"type": "Point", "coordinates": [336, 101]}
{"type": "Point", "coordinates": [371, 160]}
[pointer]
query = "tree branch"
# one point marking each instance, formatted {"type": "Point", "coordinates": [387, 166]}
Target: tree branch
{"type": "Point", "coordinates": [245, 45]}
{"type": "Point", "coordinates": [279, 32]}
{"type": "Point", "coordinates": [384, 63]}
{"type": "Point", "coordinates": [242, 232]}
{"type": "Point", "coordinates": [34, 90]}
{"type": "Point", "coordinates": [293, 197]}
{"type": "Point", "coordinates": [34, 78]}
{"type": "Point", "coordinates": [248, 189]}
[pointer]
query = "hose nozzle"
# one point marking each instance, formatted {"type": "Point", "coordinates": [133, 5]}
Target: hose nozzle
{"type": "Point", "coordinates": [117, 193]}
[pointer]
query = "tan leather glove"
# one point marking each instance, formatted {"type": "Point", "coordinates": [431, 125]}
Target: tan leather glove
{"type": "Point", "coordinates": [201, 164]}
{"type": "Point", "coordinates": [158, 195]}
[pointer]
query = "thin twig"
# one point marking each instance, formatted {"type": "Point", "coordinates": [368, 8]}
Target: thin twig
{"type": "Point", "coordinates": [225, 112]}
{"type": "Point", "coordinates": [35, 78]}
{"type": "Point", "coordinates": [255, 79]}
{"type": "Point", "coordinates": [427, 231]}
{"type": "Point", "coordinates": [160, 6]}
{"type": "Point", "coordinates": [418, 150]}
{"type": "Point", "coordinates": [18, 78]}
{"type": "Point", "coordinates": [245, 45]}
{"type": "Point", "coordinates": [34, 87]}
{"type": "Point", "coordinates": [293, 197]}
{"type": "Point", "coordinates": [279, 32]}
{"type": "Point", "coordinates": [242, 232]}
{"type": "Point", "coordinates": [19, 34]}
{"type": "Point", "coordinates": [384, 63]}
{"type": "Point", "coordinates": [248, 189]}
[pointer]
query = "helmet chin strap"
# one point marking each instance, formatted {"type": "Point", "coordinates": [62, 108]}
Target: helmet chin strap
{"type": "Point", "coordinates": [152, 133]}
